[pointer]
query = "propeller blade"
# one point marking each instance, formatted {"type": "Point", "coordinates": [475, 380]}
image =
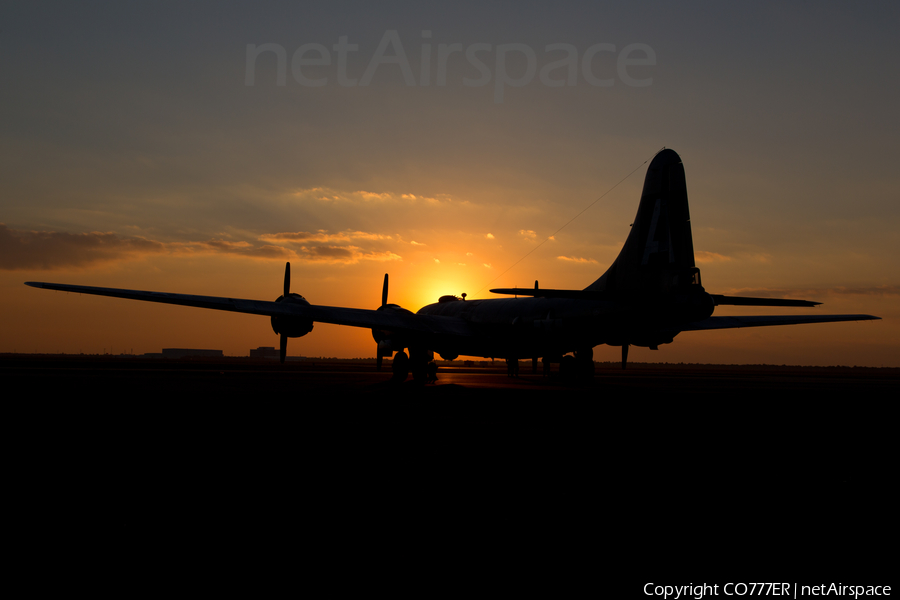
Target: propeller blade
{"type": "Point", "coordinates": [287, 283]}
{"type": "Point", "coordinates": [283, 353]}
{"type": "Point", "coordinates": [384, 296]}
{"type": "Point", "coordinates": [624, 355]}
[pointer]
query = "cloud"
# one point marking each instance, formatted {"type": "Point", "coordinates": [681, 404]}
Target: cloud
{"type": "Point", "coordinates": [528, 233]}
{"type": "Point", "coordinates": [226, 246]}
{"type": "Point", "coordinates": [330, 195]}
{"type": "Point", "coordinates": [373, 195]}
{"type": "Point", "coordinates": [425, 198]}
{"type": "Point", "coordinates": [490, 236]}
{"type": "Point", "coordinates": [340, 247]}
{"type": "Point", "coordinates": [322, 236]}
{"type": "Point", "coordinates": [271, 252]}
{"type": "Point", "coordinates": [266, 251]}
{"type": "Point", "coordinates": [241, 248]}
{"type": "Point", "coordinates": [702, 256]}
{"type": "Point", "coordinates": [323, 194]}
{"type": "Point", "coordinates": [574, 259]}
{"type": "Point", "coordinates": [813, 293]}
{"type": "Point", "coordinates": [346, 255]}
{"type": "Point", "coordinates": [329, 253]}
{"type": "Point", "coordinates": [21, 249]}
{"type": "Point", "coordinates": [877, 290]}
{"type": "Point", "coordinates": [48, 250]}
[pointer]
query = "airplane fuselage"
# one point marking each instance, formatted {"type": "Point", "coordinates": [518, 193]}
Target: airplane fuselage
{"type": "Point", "coordinates": [527, 327]}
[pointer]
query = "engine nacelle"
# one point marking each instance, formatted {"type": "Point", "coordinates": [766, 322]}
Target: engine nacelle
{"type": "Point", "coordinates": [380, 335]}
{"type": "Point", "coordinates": [386, 347]}
{"type": "Point", "coordinates": [292, 326]}
{"type": "Point", "coordinates": [694, 306]}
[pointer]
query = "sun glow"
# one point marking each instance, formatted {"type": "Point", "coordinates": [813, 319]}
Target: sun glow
{"type": "Point", "coordinates": [427, 291]}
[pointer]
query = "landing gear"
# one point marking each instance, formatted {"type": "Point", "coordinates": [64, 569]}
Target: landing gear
{"type": "Point", "coordinates": [567, 369]}
{"type": "Point", "coordinates": [577, 368]}
{"type": "Point", "coordinates": [584, 364]}
{"type": "Point", "coordinates": [512, 367]}
{"type": "Point", "coordinates": [419, 370]}
{"type": "Point", "coordinates": [416, 363]}
{"type": "Point", "coordinates": [400, 367]}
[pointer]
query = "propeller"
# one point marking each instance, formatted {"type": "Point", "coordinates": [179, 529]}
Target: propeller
{"type": "Point", "coordinates": [287, 292]}
{"type": "Point", "coordinates": [286, 326]}
{"type": "Point", "coordinates": [388, 342]}
{"type": "Point", "coordinates": [384, 297]}
{"type": "Point", "coordinates": [287, 279]}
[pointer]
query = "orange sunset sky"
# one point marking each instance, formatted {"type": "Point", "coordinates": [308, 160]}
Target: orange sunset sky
{"type": "Point", "coordinates": [196, 147]}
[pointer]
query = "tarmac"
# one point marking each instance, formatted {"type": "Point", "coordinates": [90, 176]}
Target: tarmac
{"type": "Point", "coordinates": [666, 461]}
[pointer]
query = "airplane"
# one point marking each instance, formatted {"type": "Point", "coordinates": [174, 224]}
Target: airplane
{"type": "Point", "coordinates": [650, 294]}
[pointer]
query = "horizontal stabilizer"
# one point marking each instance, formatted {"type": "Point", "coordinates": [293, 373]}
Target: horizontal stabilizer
{"type": "Point", "coordinates": [764, 321]}
{"type": "Point", "coordinates": [550, 293]}
{"type": "Point", "coordinates": [721, 300]}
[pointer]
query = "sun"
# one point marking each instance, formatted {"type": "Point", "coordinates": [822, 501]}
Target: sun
{"type": "Point", "coordinates": [427, 291]}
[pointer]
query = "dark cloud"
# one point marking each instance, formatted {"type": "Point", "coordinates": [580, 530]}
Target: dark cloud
{"type": "Point", "coordinates": [271, 252]}
{"type": "Point", "coordinates": [877, 290]}
{"type": "Point", "coordinates": [226, 246]}
{"type": "Point", "coordinates": [337, 247]}
{"type": "Point", "coordinates": [347, 255]}
{"type": "Point", "coordinates": [328, 252]}
{"type": "Point", "coordinates": [53, 249]}
{"type": "Point", "coordinates": [47, 250]}
{"type": "Point", "coordinates": [322, 236]}
{"type": "Point", "coordinates": [266, 251]}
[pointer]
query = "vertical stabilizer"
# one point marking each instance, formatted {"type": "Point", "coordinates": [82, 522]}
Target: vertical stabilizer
{"type": "Point", "coordinates": [658, 256]}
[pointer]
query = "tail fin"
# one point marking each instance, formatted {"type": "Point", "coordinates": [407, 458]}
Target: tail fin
{"type": "Point", "coordinates": [658, 256]}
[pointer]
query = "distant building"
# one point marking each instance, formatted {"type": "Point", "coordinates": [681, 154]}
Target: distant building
{"type": "Point", "coordinates": [265, 352]}
{"type": "Point", "coordinates": [270, 352]}
{"type": "Point", "coordinates": [183, 352]}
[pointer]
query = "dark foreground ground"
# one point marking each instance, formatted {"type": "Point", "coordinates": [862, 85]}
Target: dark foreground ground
{"type": "Point", "coordinates": [653, 470]}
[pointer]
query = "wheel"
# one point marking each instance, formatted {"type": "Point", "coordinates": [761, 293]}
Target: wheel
{"type": "Point", "coordinates": [400, 367]}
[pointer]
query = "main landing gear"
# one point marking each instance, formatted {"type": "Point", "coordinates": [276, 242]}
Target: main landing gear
{"type": "Point", "coordinates": [400, 367]}
{"type": "Point", "coordinates": [579, 367]}
{"type": "Point", "coordinates": [417, 363]}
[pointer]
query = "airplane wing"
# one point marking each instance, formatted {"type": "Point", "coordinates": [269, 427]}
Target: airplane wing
{"type": "Point", "coordinates": [767, 320]}
{"type": "Point", "coordinates": [353, 317]}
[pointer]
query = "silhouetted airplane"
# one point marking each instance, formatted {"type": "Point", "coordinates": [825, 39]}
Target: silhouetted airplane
{"type": "Point", "coordinates": [650, 294]}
